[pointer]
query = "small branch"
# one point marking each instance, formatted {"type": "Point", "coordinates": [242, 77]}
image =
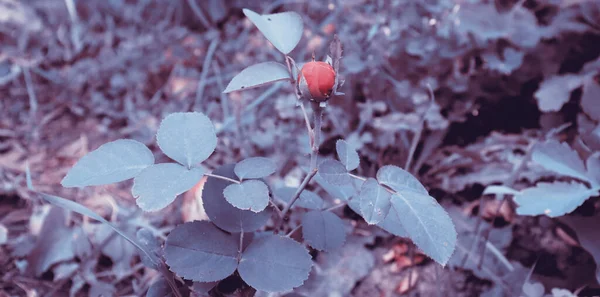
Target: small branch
{"type": "Point", "coordinates": [308, 128]}
{"type": "Point", "coordinates": [294, 230]}
{"type": "Point", "coordinates": [276, 209]}
{"type": "Point", "coordinates": [33, 104]}
{"type": "Point", "coordinates": [198, 12]}
{"type": "Point", "coordinates": [417, 137]}
{"type": "Point", "coordinates": [223, 178]}
{"type": "Point", "coordinates": [205, 67]}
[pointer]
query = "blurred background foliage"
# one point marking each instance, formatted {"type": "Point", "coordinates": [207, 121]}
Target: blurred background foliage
{"type": "Point", "coordinates": [76, 74]}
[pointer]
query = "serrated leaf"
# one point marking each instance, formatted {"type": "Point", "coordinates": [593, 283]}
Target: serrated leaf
{"type": "Point", "coordinates": [399, 179]}
{"type": "Point", "coordinates": [110, 163]}
{"type": "Point", "coordinates": [158, 185]}
{"type": "Point", "coordinates": [374, 201]}
{"type": "Point", "coordinates": [275, 264]}
{"type": "Point", "coordinates": [283, 30]}
{"type": "Point", "coordinates": [428, 225]}
{"type": "Point", "coordinates": [590, 99]}
{"type": "Point", "coordinates": [334, 173]}
{"type": "Point", "coordinates": [552, 199]}
{"type": "Point", "coordinates": [222, 213]}
{"type": "Point", "coordinates": [257, 167]}
{"type": "Point", "coordinates": [560, 158]}
{"type": "Point", "coordinates": [159, 288]}
{"type": "Point", "coordinates": [307, 199]}
{"type": "Point", "coordinates": [258, 75]}
{"type": "Point", "coordinates": [250, 195]}
{"type": "Point", "coordinates": [555, 91]}
{"type": "Point", "coordinates": [187, 137]}
{"type": "Point", "coordinates": [147, 239]}
{"type": "Point", "coordinates": [347, 155]}
{"type": "Point", "coordinates": [201, 252]}
{"type": "Point", "coordinates": [323, 230]}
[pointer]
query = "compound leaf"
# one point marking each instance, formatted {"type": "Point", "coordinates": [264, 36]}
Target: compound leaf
{"type": "Point", "coordinates": [258, 75]}
{"type": "Point", "coordinates": [560, 158]}
{"type": "Point", "coordinates": [307, 199]}
{"type": "Point", "coordinates": [334, 173]}
{"type": "Point", "coordinates": [158, 185]}
{"type": "Point", "coordinates": [274, 263]}
{"type": "Point", "coordinates": [249, 195]}
{"type": "Point", "coordinates": [347, 155]}
{"type": "Point", "coordinates": [257, 167]}
{"type": "Point", "coordinates": [283, 30]}
{"type": "Point", "coordinates": [222, 213]}
{"type": "Point", "coordinates": [399, 179]}
{"type": "Point", "coordinates": [427, 224]}
{"type": "Point", "coordinates": [110, 163]}
{"type": "Point", "coordinates": [201, 252]}
{"type": "Point", "coordinates": [323, 230]}
{"type": "Point", "coordinates": [374, 201]}
{"type": "Point", "coordinates": [552, 199]}
{"type": "Point", "coordinates": [187, 137]}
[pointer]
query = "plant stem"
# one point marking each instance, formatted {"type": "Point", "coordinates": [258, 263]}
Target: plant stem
{"type": "Point", "coordinates": [417, 136]}
{"type": "Point", "coordinates": [223, 178]}
{"type": "Point", "coordinates": [318, 114]}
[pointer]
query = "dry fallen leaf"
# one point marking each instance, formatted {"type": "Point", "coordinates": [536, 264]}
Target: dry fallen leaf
{"type": "Point", "coordinates": [404, 286]}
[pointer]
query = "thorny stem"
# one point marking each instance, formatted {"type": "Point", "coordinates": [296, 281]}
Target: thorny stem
{"type": "Point", "coordinates": [223, 178]}
{"type": "Point", "coordinates": [318, 114]}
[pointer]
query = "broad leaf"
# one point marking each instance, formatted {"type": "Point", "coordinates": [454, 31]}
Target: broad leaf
{"type": "Point", "coordinates": [554, 92]}
{"type": "Point", "coordinates": [222, 213]}
{"type": "Point", "coordinates": [187, 137]}
{"type": "Point", "coordinates": [590, 99]}
{"type": "Point", "coordinates": [593, 168]}
{"type": "Point", "coordinates": [374, 201]}
{"type": "Point", "coordinates": [275, 264]}
{"type": "Point", "coordinates": [283, 30]}
{"type": "Point", "coordinates": [347, 155]}
{"type": "Point", "coordinates": [257, 167]}
{"type": "Point", "coordinates": [323, 230]}
{"type": "Point", "coordinates": [399, 179]}
{"type": "Point", "coordinates": [249, 195]}
{"type": "Point", "coordinates": [159, 288]}
{"type": "Point", "coordinates": [428, 225]}
{"type": "Point", "coordinates": [344, 192]}
{"type": "Point", "coordinates": [552, 199]}
{"type": "Point", "coordinates": [560, 158]}
{"type": "Point", "coordinates": [258, 75]}
{"type": "Point", "coordinates": [307, 199]}
{"type": "Point", "coordinates": [110, 163]}
{"type": "Point", "coordinates": [199, 251]}
{"type": "Point", "coordinates": [158, 185]}
{"type": "Point", "coordinates": [334, 173]}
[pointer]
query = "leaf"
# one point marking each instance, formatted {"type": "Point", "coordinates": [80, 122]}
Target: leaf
{"type": "Point", "coordinates": [552, 199]}
{"type": "Point", "coordinates": [307, 199]}
{"type": "Point", "coordinates": [499, 190]}
{"type": "Point", "coordinates": [590, 99]}
{"type": "Point", "coordinates": [427, 224]}
{"type": "Point", "coordinates": [588, 235]}
{"type": "Point", "coordinates": [399, 179]}
{"type": "Point", "coordinates": [187, 137]}
{"type": "Point", "coordinates": [222, 213]}
{"type": "Point", "coordinates": [201, 252]}
{"type": "Point", "coordinates": [258, 75]}
{"type": "Point", "coordinates": [147, 239]}
{"type": "Point", "coordinates": [257, 167]}
{"type": "Point", "coordinates": [344, 192]}
{"type": "Point", "coordinates": [323, 230]}
{"type": "Point", "coordinates": [593, 168]}
{"type": "Point", "coordinates": [347, 155]}
{"type": "Point", "coordinates": [555, 91]}
{"type": "Point", "coordinates": [275, 264]}
{"type": "Point", "coordinates": [283, 30]}
{"type": "Point", "coordinates": [334, 173]}
{"type": "Point", "coordinates": [159, 288]}
{"type": "Point", "coordinates": [374, 201]}
{"type": "Point", "coordinates": [249, 195]}
{"type": "Point", "coordinates": [110, 163]}
{"type": "Point", "coordinates": [560, 158]}
{"type": "Point", "coordinates": [158, 185]}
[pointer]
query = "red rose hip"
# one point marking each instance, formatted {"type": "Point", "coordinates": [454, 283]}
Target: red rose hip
{"type": "Point", "coordinates": [320, 78]}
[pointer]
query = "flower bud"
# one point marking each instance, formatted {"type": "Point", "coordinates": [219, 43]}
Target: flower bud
{"type": "Point", "coordinates": [319, 78]}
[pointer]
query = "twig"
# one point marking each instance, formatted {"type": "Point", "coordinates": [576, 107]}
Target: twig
{"type": "Point", "coordinates": [198, 12]}
{"type": "Point", "coordinates": [205, 67]}
{"type": "Point", "coordinates": [417, 136]}
{"type": "Point", "coordinates": [223, 178]}
{"type": "Point", "coordinates": [33, 104]}
{"type": "Point", "coordinates": [318, 113]}
{"type": "Point", "coordinates": [224, 103]}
